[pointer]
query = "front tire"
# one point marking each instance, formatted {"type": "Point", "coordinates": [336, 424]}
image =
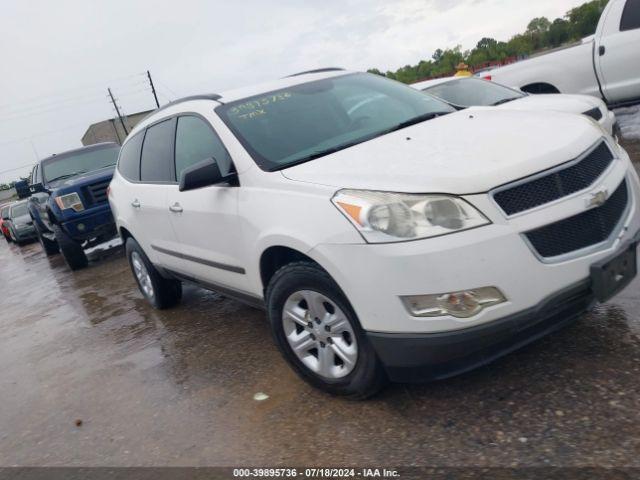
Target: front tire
{"type": "Point", "coordinates": [159, 291]}
{"type": "Point", "coordinates": [319, 334]}
{"type": "Point", "coordinates": [71, 251]}
{"type": "Point", "coordinates": [50, 247]}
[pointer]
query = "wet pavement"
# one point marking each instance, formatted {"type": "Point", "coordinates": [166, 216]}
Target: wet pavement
{"type": "Point", "coordinates": [91, 375]}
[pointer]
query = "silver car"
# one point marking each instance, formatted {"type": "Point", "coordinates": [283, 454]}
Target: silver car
{"type": "Point", "coordinates": [20, 223]}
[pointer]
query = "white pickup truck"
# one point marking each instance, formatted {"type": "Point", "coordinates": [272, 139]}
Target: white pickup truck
{"type": "Point", "coordinates": [605, 65]}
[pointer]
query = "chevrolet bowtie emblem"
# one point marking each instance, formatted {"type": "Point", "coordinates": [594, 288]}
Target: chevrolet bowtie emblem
{"type": "Point", "coordinates": [598, 198]}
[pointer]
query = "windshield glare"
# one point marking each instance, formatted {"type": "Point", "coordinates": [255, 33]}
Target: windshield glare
{"type": "Point", "coordinates": [68, 165]}
{"type": "Point", "coordinates": [306, 121]}
{"type": "Point", "coordinates": [473, 92]}
{"type": "Point", "coordinates": [18, 210]}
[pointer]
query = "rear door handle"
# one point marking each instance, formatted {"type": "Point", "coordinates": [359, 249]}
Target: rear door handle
{"type": "Point", "coordinates": [135, 203]}
{"type": "Point", "coordinates": [176, 208]}
{"type": "Point", "coordinates": [602, 50]}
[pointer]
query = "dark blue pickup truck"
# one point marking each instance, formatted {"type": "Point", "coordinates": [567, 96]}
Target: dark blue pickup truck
{"type": "Point", "coordinates": [69, 203]}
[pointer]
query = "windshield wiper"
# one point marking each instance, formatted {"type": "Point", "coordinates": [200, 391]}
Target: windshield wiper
{"type": "Point", "coordinates": [67, 175]}
{"type": "Point", "coordinates": [416, 120]}
{"type": "Point", "coordinates": [504, 100]}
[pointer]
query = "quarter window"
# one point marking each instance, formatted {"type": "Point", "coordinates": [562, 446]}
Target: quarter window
{"type": "Point", "coordinates": [129, 162]}
{"type": "Point", "coordinates": [196, 141]}
{"type": "Point", "coordinates": [630, 16]}
{"type": "Point", "coordinates": [156, 164]}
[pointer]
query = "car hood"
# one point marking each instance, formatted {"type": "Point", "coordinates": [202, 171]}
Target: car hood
{"type": "Point", "coordinates": [470, 151]}
{"type": "Point", "coordinates": [555, 102]}
{"type": "Point", "coordinates": [83, 179]}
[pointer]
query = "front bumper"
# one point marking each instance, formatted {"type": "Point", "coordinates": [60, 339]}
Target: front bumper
{"type": "Point", "coordinates": [419, 358]}
{"type": "Point", "coordinates": [26, 232]}
{"type": "Point", "coordinates": [98, 223]}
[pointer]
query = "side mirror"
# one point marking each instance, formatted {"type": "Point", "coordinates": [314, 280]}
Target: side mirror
{"type": "Point", "coordinates": [204, 174]}
{"type": "Point", "coordinates": [36, 188]}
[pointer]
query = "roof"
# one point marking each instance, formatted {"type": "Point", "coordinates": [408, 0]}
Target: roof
{"type": "Point", "coordinates": [244, 92]}
{"type": "Point", "coordinates": [95, 146]}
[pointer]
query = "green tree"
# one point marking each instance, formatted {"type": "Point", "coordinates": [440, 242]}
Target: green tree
{"type": "Point", "coordinates": [541, 33]}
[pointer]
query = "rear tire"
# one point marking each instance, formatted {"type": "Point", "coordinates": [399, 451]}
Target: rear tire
{"type": "Point", "coordinates": [50, 247]}
{"type": "Point", "coordinates": [7, 238]}
{"type": "Point", "coordinates": [307, 308]}
{"type": "Point", "coordinates": [72, 252]}
{"type": "Point", "coordinates": [159, 291]}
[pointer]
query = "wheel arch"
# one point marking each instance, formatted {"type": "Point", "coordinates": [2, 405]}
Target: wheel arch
{"type": "Point", "coordinates": [277, 256]}
{"type": "Point", "coordinates": [540, 87]}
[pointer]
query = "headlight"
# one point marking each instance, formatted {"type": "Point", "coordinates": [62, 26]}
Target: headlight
{"type": "Point", "coordinates": [72, 200]}
{"type": "Point", "coordinates": [383, 217]}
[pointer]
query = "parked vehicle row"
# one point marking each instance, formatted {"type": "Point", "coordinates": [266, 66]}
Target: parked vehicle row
{"type": "Point", "coordinates": [389, 234]}
{"type": "Point", "coordinates": [605, 65]}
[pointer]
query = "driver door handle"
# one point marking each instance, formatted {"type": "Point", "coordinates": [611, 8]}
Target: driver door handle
{"type": "Point", "coordinates": [135, 203]}
{"type": "Point", "coordinates": [176, 208]}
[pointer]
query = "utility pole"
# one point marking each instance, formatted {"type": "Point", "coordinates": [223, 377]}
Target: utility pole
{"type": "Point", "coordinates": [115, 105]}
{"type": "Point", "coordinates": [153, 89]}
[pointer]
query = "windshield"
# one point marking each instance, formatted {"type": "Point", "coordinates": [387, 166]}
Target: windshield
{"type": "Point", "coordinates": [307, 121]}
{"type": "Point", "coordinates": [473, 92]}
{"type": "Point", "coordinates": [18, 210]}
{"type": "Point", "coordinates": [65, 166]}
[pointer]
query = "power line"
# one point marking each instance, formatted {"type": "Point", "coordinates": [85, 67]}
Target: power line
{"type": "Point", "coordinates": [75, 89]}
{"type": "Point", "coordinates": [29, 165]}
{"type": "Point", "coordinates": [43, 134]}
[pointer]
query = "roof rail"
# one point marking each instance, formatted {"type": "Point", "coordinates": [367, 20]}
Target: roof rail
{"type": "Point", "coordinates": [209, 96]}
{"type": "Point", "coordinates": [319, 70]}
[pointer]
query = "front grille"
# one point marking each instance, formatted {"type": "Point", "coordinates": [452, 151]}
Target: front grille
{"type": "Point", "coordinates": [97, 192]}
{"type": "Point", "coordinates": [581, 231]}
{"type": "Point", "coordinates": [594, 113]}
{"type": "Point", "coordinates": [556, 184]}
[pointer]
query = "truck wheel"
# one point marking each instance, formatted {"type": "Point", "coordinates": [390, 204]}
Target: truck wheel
{"type": "Point", "coordinates": [71, 251]}
{"type": "Point", "coordinates": [50, 247]}
{"type": "Point", "coordinates": [159, 291]}
{"type": "Point", "coordinates": [319, 334]}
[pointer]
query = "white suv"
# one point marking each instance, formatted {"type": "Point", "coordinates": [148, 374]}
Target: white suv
{"type": "Point", "coordinates": [387, 236]}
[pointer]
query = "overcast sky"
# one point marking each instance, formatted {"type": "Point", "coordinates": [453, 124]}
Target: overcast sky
{"type": "Point", "coordinates": [58, 58]}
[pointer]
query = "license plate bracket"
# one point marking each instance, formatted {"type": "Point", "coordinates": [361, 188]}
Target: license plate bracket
{"type": "Point", "coordinates": [612, 275]}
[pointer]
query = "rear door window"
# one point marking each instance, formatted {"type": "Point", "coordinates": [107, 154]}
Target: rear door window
{"type": "Point", "coordinates": [156, 164]}
{"type": "Point", "coordinates": [196, 141]}
{"type": "Point", "coordinates": [129, 161]}
{"type": "Point", "coordinates": [630, 16]}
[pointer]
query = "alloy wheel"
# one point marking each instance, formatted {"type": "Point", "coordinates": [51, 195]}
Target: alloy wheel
{"type": "Point", "coordinates": [141, 273]}
{"type": "Point", "coordinates": [320, 334]}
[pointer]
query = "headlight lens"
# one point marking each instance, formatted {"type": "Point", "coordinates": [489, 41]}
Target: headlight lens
{"type": "Point", "coordinates": [71, 200]}
{"type": "Point", "coordinates": [383, 217]}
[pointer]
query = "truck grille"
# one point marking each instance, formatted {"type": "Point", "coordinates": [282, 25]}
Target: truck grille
{"type": "Point", "coordinates": [97, 192]}
{"type": "Point", "coordinates": [555, 185]}
{"type": "Point", "coordinates": [583, 230]}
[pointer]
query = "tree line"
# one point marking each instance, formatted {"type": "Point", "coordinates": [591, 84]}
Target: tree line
{"type": "Point", "coordinates": [541, 34]}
